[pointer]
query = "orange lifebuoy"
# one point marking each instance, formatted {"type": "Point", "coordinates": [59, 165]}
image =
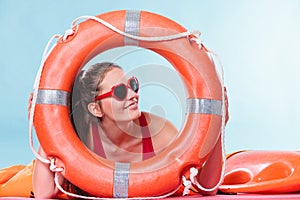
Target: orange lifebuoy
{"type": "Point", "coordinates": [262, 172]}
{"type": "Point", "coordinates": [163, 172]}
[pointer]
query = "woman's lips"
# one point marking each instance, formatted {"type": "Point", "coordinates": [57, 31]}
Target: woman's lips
{"type": "Point", "coordinates": [132, 105]}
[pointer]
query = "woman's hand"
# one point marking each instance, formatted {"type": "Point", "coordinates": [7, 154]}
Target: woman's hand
{"type": "Point", "coordinates": [29, 104]}
{"type": "Point", "coordinates": [226, 106]}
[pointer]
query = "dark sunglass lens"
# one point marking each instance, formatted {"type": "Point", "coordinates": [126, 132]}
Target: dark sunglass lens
{"type": "Point", "coordinates": [134, 84]}
{"type": "Point", "coordinates": [120, 91]}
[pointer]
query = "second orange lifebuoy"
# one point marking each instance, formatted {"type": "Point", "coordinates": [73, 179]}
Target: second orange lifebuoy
{"type": "Point", "coordinates": [105, 178]}
{"type": "Point", "coordinates": [262, 172]}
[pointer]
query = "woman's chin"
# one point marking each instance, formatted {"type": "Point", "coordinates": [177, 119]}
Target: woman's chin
{"type": "Point", "coordinates": [134, 113]}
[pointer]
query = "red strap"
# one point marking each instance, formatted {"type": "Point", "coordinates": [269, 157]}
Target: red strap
{"type": "Point", "coordinates": [98, 147]}
{"type": "Point", "coordinates": [148, 150]}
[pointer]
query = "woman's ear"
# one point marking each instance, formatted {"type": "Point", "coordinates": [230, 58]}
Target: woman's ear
{"type": "Point", "coordinates": [95, 109]}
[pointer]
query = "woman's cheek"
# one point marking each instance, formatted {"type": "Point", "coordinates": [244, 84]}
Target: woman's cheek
{"type": "Point", "coordinates": [115, 108]}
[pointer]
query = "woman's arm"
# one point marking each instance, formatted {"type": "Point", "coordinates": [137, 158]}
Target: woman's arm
{"type": "Point", "coordinates": [210, 173]}
{"type": "Point", "coordinates": [43, 180]}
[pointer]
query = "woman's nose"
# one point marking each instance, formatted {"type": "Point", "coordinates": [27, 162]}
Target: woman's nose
{"type": "Point", "coordinates": [132, 94]}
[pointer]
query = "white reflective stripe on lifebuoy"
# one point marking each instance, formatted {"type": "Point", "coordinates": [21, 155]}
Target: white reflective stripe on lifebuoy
{"type": "Point", "coordinates": [132, 26]}
{"type": "Point", "coordinates": [121, 180]}
{"type": "Point", "coordinates": [204, 106]}
{"type": "Point", "coordinates": [56, 97]}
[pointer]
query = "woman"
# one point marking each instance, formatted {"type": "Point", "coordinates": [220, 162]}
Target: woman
{"type": "Point", "coordinates": [107, 119]}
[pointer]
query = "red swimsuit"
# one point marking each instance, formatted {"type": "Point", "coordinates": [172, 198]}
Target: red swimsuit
{"type": "Point", "coordinates": [148, 151]}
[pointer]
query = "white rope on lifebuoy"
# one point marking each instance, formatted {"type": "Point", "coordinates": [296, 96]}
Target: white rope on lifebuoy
{"type": "Point", "coordinates": [34, 97]}
{"type": "Point", "coordinates": [196, 33]}
{"type": "Point", "coordinates": [56, 181]}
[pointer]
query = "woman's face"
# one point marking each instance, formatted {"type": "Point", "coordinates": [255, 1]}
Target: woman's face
{"type": "Point", "coordinates": [116, 110]}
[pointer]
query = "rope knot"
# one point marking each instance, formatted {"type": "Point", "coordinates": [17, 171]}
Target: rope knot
{"type": "Point", "coordinates": [193, 174]}
{"type": "Point", "coordinates": [187, 186]}
{"type": "Point", "coordinates": [195, 37]}
{"type": "Point", "coordinates": [54, 168]}
{"type": "Point", "coordinates": [68, 33]}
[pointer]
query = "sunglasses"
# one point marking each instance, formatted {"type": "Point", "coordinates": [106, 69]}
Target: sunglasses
{"type": "Point", "coordinates": [120, 91]}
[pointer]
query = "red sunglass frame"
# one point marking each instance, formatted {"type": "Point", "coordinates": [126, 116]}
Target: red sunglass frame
{"type": "Point", "coordinates": [112, 94]}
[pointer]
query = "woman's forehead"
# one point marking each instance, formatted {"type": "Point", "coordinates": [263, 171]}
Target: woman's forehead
{"type": "Point", "coordinates": [114, 76]}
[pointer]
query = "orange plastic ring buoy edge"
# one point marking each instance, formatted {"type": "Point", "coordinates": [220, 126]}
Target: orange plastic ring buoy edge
{"type": "Point", "coordinates": [101, 177]}
{"type": "Point", "coordinates": [262, 172]}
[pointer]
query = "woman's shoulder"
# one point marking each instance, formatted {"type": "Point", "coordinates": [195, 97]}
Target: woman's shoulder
{"type": "Point", "coordinates": [155, 120]}
{"type": "Point", "coordinates": [161, 129]}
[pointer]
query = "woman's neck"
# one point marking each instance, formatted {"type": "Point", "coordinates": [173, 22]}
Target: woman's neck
{"type": "Point", "coordinates": [120, 133]}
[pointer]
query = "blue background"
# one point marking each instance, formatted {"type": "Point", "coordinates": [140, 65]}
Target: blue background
{"type": "Point", "coordinates": [257, 40]}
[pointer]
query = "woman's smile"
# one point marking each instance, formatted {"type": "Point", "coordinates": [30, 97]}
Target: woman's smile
{"type": "Point", "coordinates": [133, 104]}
